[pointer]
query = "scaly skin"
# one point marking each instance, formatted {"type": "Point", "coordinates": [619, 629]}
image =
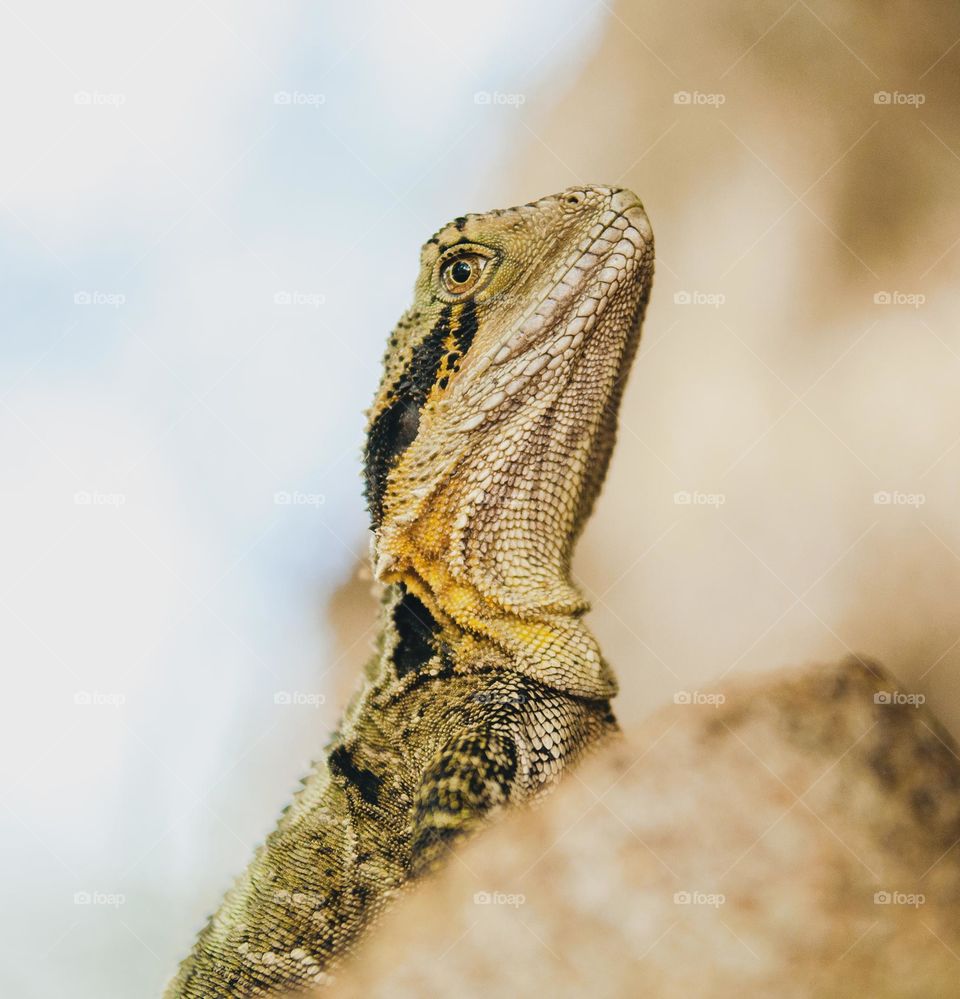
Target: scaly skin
{"type": "Point", "coordinates": [488, 441]}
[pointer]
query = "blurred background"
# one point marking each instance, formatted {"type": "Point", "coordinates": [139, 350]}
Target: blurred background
{"type": "Point", "coordinates": [210, 217]}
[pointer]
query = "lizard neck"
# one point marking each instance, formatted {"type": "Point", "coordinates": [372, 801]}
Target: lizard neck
{"type": "Point", "coordinates": [557, 650]}
{"type": "Point", "coordinates": [488, 556]}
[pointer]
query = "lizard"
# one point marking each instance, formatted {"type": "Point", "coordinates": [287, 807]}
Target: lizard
{"type": "Point", "coordinates": [487, 443]}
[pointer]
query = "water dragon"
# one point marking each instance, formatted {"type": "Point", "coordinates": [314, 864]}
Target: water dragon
{"type": "Point", "coordinates": [487, 443]}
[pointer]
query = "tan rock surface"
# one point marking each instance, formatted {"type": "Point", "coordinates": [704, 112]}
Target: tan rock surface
{"type": "Point", "coordinates": [797, 840]}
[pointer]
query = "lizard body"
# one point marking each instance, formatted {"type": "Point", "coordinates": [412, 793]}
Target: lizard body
{"type": "Point", "coordinates": [487, 443]}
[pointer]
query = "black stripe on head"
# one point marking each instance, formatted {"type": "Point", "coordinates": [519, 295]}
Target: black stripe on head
{"type": "Point", "coordinates": [396, 427]}
{"type": "Point", "coordinates": [393, 431]}
{"type": "Point", "coordinates": [466, 327]}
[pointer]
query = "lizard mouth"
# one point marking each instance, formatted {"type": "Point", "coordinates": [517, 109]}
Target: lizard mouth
{"type": "Point", "coordinates": [602, 269]}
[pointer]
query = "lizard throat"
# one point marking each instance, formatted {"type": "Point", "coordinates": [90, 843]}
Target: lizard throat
{"type": "Point", "coordinates": [557, 650]}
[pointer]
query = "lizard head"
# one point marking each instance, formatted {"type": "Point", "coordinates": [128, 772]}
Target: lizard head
{"type": "Point", "coordinates": [490, 434]}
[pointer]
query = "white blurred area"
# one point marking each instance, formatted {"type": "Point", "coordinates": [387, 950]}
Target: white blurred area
{"type": "Point", "coordinates": [199, 279]}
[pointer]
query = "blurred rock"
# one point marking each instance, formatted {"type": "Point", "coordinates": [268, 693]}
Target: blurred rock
{"type": "Point", "coordinates": [789, 835]}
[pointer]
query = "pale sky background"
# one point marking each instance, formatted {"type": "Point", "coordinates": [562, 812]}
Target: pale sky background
{"type": "Point", "coordinates": [199, 277]}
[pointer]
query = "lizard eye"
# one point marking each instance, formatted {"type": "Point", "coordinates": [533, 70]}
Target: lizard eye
{"type": "Point", "coordinates": [461, 271]}
{"type": "Point", "coordinates": [461, 274]}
